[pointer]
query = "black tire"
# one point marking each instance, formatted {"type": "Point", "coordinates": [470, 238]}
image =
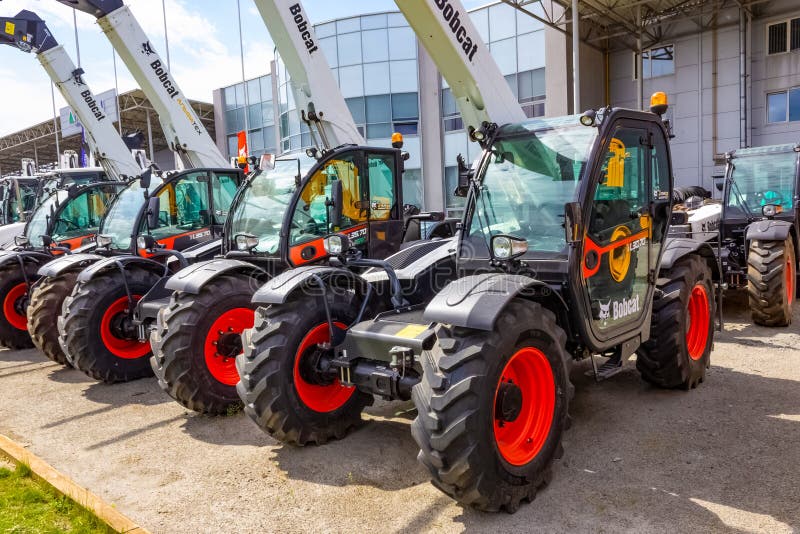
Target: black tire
{"type": "Point", "coordinates": [771, 296]}
{"type": "Point", "coordinates": [266, 369]}
{"type": "Point", "coordinates": [12, 334]}
{"type": "Point", "coordinates": [667, 360]}
{"type": "Point", "coordinates": [47, 300]}
{"type": "Point", "coordinates": [80, 326]}
{"type": "Point", "coordinates": [455, 426]}
{"type": "Point", "coordinates": [179, 345]}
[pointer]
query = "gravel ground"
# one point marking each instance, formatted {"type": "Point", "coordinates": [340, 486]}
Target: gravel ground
{"type": "Point", "coordinates": [722, 458]}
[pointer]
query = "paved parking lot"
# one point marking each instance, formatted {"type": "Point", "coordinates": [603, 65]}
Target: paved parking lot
{"type": "Point", "coordinates": [725, 457]}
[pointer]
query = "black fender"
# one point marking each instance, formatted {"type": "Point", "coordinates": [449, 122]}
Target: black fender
{"type": "Point", "coordinates": [115, 262]}
{"type": "Point", "coordinates": [191, 279]}
{"type": "Point", "coordinates": [768, 230]}
{"type": "Point", "coordinates": [476, 301]}
{"type": "Point", "coordinates": [24, 256]}
{"type": "Point", "coordinates": [676, 248]}
{"type": "Point", "coordinates": [69, 262]}
{"type": "Point", "coordinates": [277, 290]}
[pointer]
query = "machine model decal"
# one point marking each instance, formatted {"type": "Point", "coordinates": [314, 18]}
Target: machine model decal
{"type": "Point", "coordinates": [190, 116]}
{"type": "Point", "coordinates": [302, 27]}
{"type": "Point", "coordinates": [199, 235]}
{"type": "Point", "coordinates": [453, 18]}
{"type": "Point", "coordinates": [636, 245]}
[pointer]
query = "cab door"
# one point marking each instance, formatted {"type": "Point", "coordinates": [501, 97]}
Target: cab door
{"type": "Point", "coordinates": [385, 220]}
{"type": "Point", "coordinates": [618, 253]}
{"type": "Point", "coordinates": [184, 217]}
{"type": "Point", "coordinates": [311, 213]}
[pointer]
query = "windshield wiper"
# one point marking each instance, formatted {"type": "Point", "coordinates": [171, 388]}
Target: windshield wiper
{"type": "Point", "coordinates": [741, 198]}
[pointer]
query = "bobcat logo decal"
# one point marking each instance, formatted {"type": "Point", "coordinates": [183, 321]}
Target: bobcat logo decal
{"type": "Point", "coordinates": [605, 311]}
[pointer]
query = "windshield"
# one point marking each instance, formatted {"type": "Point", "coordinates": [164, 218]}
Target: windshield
{"type": "Point", "coordinates": [527, 181]}
{"type": "Point", "coordinates": [758, 180]}
{"type": "Point", "coordinates": [37, 226]}
{"type": "Point", "coordinates": [264, 202]}
{"type": "Point", "coordinates": [122, 214]}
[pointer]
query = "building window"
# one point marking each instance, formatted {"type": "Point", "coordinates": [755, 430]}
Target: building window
{"type": "Point", "coordinates": [783, 106]}
{"type": "Point", "coordinates": [783, 36]}
{"type": "Point", "coordinates": [657, 61]}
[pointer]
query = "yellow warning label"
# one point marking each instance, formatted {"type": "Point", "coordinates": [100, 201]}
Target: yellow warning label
{"type": "Point", "coordinates": [411, 331]}
{"type": "Point", "coordinates": [10, 27]}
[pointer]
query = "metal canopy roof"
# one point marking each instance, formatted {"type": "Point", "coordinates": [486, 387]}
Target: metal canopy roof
{"type": "Point", "coordinates": [38, 142]}
{"type": "Point", "coordinates": [614, 24]}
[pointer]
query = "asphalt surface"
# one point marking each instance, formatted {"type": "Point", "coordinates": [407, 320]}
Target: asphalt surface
{"type": "Point", "coordinates": [722, 458]}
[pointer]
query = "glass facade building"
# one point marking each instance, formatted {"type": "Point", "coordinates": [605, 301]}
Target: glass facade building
{"type": "Point", "coordinates": [250, 106]}
{"type": "Point", "coordinates": [376, 60]}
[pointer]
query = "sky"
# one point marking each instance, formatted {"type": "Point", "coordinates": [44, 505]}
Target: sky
{"type": "Point", "coordinates": [203, 44]}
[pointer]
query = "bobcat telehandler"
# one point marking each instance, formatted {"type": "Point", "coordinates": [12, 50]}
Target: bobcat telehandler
{"type": "Point", "coordinates": [562, 255]}
{"type": "Point", "coordinates": [760, 229]}
{"type": "Point", "coordinates": [279, 220]}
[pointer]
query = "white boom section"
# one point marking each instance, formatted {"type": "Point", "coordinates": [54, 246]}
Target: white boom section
{"type": "Point", "coordinates": [182, 127]}
{"type": "Point", "coordinates": [451, 39]}
{"type": "Point", "coordinates": [312, 82]}
{"type": "Point", "coordinates": [103, 139]}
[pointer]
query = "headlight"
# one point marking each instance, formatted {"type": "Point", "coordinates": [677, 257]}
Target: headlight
{"type": "Point", "coordinates": [104, 240]}
{"type": "Point", "coordinates": [336, 244]}
{"type": "Point", "coordinates": [245, 242]}
{"type": "Point", "coordinates": [506, 247]}
{"type": "Point", "coordinates": [21, 240]}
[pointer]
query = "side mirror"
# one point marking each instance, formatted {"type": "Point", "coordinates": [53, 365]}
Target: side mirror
{"type": "Point", "coordinates": [153, 208]}
{"type": "Point", "coordinates": [337, 197]}
{"type": "Point", "coordinates": [719, 182]}
{"type": "Point", "coordinates": [464, 177]}
{"type": "Point", "coordinates": [573, 222]}
{"type": "Point", "coordinates": [145, 178]}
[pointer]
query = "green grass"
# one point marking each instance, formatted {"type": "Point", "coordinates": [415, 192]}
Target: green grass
{"type": "Point", "coordinates": [28, 506]}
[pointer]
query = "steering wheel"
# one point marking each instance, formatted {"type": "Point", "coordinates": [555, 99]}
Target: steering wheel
{"type": "Point", "coordinates": [772, 197]}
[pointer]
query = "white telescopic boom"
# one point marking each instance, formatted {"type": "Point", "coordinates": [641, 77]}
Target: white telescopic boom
{"type": "Point", "coordinates": [101, 135]}
{"type": "Point", "coordinates": [183, 129]}
{"type": "Point", "coordinates": [314, 88]}
{"type": "Point", "coordinates": [446, 31]}
{"type": "Point", "coordinates": [29, 33]}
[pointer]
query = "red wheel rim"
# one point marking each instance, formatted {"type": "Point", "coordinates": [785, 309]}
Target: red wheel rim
{"type": "Point", "coordinates": [520, 440]}
{"type": "Point", "coordinates": [321, 399]}
{"type": "Point", "coordinates": [789, 281]}
{"type": "Point", "coordinates": [699, 317]}
{"type": "Point", "coordinates": [128, 349]}
{"type": "Point", "coordinates": [220, 363]}
{"type": "Point", "coordinates": [14, 318]}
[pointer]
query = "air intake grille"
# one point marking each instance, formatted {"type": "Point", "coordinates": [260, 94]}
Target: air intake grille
{"type": "Point", "coordinates": [406, 257]}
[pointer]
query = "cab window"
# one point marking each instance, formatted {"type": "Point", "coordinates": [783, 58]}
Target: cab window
{"type": "Point", "coordinates": [223, 189]}
{"type": "Point", "coordinates": [310, 219]}
{"type": "Point", "coordinates": [381, 186]}
{"type": "Point", "coordinates": [183, 206]}
{"type": "Point", "coordinates": [81, 215]}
